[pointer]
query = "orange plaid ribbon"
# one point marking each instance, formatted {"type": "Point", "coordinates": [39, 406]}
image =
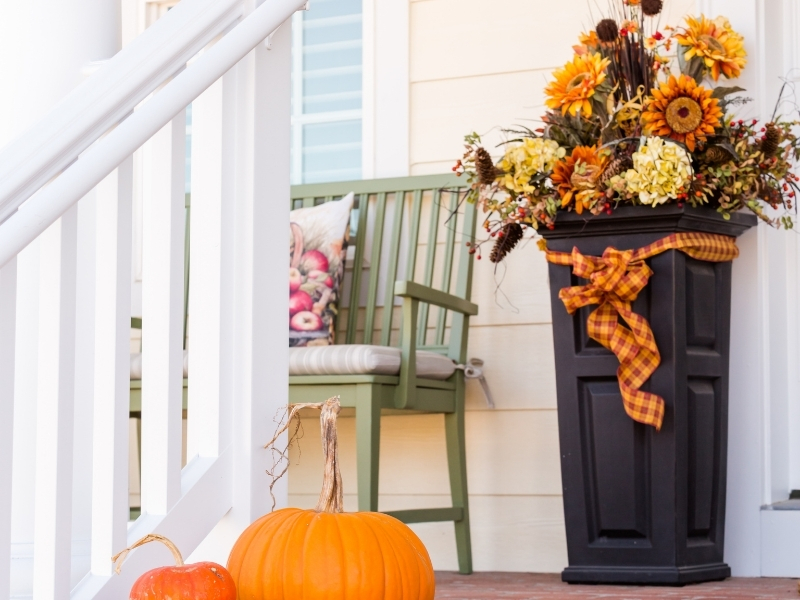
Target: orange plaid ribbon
{"type": "Point", "coordinates": [615, 281]}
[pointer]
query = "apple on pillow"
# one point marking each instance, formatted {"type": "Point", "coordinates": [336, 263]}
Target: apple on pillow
{"type": "Point", "coordinates": [317, 251]}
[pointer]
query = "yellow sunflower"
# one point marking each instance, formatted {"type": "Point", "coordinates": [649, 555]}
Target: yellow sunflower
{"type": "Point", "coordinates": [576, 83]}
{"type": "Point", "coordinates": [682, 110]}
{"type": "Point", "coordinates": [716, 43]}
{"type": "Point", "coordinates": [577, 177]}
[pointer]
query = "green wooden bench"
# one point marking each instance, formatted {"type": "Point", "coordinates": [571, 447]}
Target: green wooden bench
{"type": "Point", "coordinates": [426, 245]}
{"type": "Point", "coordinates": [418, 255]}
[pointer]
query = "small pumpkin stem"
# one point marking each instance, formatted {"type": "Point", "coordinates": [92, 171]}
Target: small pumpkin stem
{"type": "Point", "coordinates": [153, 537]}
{"type": "Point", "coordinates": [331, 499]}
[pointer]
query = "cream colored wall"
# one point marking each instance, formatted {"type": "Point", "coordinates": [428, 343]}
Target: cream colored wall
{"type": "Point", "coordinates": [478, 66]}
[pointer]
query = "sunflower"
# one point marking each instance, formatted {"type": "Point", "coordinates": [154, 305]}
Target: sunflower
{"type": "Point", "coordinates": [682, 110]}
{"type": "Point", "coordinates": [589, 42]}
{"type": "Point", "coordinates": [577, 177]}
{"type": "Point", "coordinates": [576, 83]}
{"type": "Point", "coordinates": [713, 41]}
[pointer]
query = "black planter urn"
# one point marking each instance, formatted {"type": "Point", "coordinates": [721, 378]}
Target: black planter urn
{"type": "Point", "coordinates": [645, 506]}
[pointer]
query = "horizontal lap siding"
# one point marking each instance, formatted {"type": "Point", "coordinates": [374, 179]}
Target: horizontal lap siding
{"type": "Point", "coordinates": [478, 66]}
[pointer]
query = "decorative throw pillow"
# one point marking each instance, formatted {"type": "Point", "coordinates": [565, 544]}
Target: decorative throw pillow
{"type": "Point", "coordinates": [317, 251]}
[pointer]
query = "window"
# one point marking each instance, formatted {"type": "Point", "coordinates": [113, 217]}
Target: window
{"type": "Point", "coordinates": [327, 92]}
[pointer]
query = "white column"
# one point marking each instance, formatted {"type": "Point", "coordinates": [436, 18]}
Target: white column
{"type": "Point", "coordinates": [260, 357]}
{"type": "Point", "coordinates": [52, 549]}
{"type": "Point", "coordinates": [162, 318]}
{"type": "Point", "coordinates": [44, 45]}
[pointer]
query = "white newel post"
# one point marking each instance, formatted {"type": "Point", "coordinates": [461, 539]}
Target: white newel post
{"type": "Point", "coordinates": [260, 304]}
{"type": "Point", "coordinates": [44, 46]}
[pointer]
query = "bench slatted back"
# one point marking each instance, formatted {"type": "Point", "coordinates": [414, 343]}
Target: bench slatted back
{"type": "Point", "coordinates": [389, 219]}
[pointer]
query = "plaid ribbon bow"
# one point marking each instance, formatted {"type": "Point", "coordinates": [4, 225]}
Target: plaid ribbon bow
{"type": "Point", "coordinates": [615, 280]}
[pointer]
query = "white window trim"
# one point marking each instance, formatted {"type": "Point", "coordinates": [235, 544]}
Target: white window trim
{"type": "Point", "coordinates": [385, 112]}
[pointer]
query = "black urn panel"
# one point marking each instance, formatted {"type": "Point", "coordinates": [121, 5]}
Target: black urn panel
{"type": "Point", "coordinates": [646, 506]}
{"type": "Point", "coordinates": [614, 458]}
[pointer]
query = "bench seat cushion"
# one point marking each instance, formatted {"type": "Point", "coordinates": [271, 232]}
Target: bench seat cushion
{"type": "Point", "coordinates": [362, 359]}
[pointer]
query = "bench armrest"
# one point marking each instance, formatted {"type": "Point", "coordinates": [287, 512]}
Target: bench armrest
{"type": "Point", "coordinates": [409, 289]}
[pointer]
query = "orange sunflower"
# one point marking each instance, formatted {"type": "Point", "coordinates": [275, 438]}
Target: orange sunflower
{"type": "Point", "coordinates": [576, 83]}
{"type": "Point", "coordinates": [577, 177]}
{"type": "Point", "coordinates": [589, 42]}
{"type": "Point", "coordinates": [682, 110]}
{"type": "Point", "coordinates": [716, 43]}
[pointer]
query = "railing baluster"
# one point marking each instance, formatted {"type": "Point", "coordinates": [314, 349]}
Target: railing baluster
{"type": "Point", "coordinates": [391, 270]}
{"type": "Point", "coordinates": [447, 271]}
{"type": "Point", "coordinates": [112, 366]}
{"type": "Point", "coordinates": [54, 411]}
{"type": "Point", "coordinates": [211, 272]}
{"type": "Point", "coordinates": [374, 268]}
{"type": "Point", "coordinates": [85, 301]}
{"type": "Point", "coordinates": [162, 307]}
{"type": "Point", "coordinates": [8, 318]}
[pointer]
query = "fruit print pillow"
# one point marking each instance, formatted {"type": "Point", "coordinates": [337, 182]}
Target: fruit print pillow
{"type": "Point", "coordinates": [317, 251]}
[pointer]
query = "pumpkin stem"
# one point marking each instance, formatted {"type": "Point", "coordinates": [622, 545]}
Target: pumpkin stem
{"type": "Point", "coordinates": [331, 499]}
{"type": "Point", "coordinates": [153, 537]}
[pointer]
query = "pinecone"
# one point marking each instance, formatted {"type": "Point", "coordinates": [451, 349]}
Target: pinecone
{"type": "Point", "coordinates": [714, 155]}
{"type": "Point", "coordinates": [771, 142]}
{"type": "Point", "coordinates": [652, 7]}
{"type": "Point", "coordinates": [506, 240]}
{"type": "Point", "coordinates": [615, 167]}
{"type": "Point", "coordinates": [484, 166]}
{"type": "Point", "coordinates": [607, 30]}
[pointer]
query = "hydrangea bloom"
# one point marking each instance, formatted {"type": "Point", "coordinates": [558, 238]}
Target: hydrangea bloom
{"type": "Point", "coordinates": [661, 170]}
{"type": "Point", "coordinates": [523, 161]}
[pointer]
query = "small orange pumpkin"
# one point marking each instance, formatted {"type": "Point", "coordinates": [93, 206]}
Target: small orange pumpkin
{"type": "Point", "coordinates": [326, 553]}
{"type": "Point", "coordinates": [199, 581]}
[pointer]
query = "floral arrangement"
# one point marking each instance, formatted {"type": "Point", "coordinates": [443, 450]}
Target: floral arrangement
{"type": "Point", "coordinates": [637, 117]}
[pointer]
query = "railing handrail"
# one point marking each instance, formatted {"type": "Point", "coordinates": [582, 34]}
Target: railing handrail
{"type": "Point", "coordinates": [108, 95]}
{"type": "Point", "coordinates": [103, 156]}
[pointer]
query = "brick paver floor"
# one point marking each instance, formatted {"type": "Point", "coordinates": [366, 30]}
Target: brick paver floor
{"type": "Point", "coordinates": [527, 586]}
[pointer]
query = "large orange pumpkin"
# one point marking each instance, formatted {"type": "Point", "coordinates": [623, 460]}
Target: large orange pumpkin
{"type": "Point", "coordinates": [198, 581]}
{"type": "Point", "coordinates": [326, 553]}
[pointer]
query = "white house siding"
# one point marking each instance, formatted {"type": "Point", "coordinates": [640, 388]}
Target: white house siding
{"type": "Point", "coordinates": [479, 66]}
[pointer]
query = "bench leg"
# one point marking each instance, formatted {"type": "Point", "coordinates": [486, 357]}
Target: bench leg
{"type": "Point", "coordinates": [368, 445]}
{"type": "Point", "coordinates": [457, 465]}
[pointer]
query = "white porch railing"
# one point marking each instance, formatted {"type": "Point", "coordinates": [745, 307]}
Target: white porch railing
{"type": "Point", "coordinates": [209, 53]}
